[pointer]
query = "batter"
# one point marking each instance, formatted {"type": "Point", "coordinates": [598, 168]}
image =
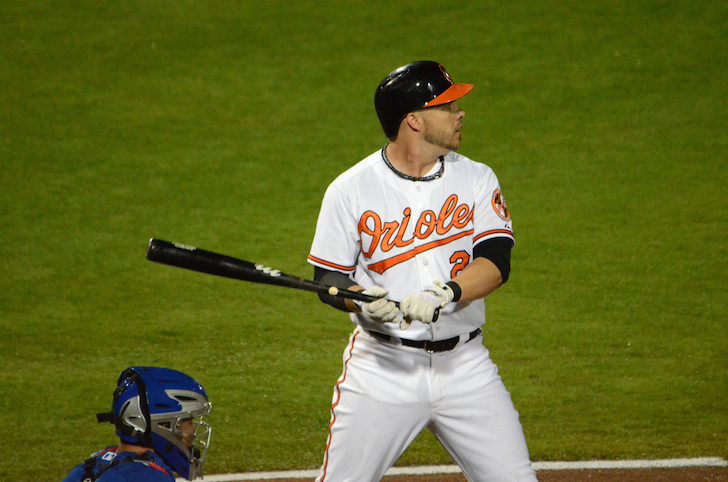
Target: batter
{"type": "Point", "coordinates": [418, 222]}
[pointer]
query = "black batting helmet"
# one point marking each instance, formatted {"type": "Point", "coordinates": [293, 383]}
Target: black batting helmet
{"type": "Point", "coordinates": [413, 87]}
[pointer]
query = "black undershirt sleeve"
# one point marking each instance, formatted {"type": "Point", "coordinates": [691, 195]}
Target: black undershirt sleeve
{"type": "Point", "coordinates": [333, 278]}
{"type": "Point", "coordinates": [497, 250]}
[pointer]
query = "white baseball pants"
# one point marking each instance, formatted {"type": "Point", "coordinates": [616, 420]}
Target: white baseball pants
{"type": "Point", "coordinates": [389, 393]}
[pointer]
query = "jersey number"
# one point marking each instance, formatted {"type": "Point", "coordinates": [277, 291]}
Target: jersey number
{"type": "Point", "coordinates": [460, 260]}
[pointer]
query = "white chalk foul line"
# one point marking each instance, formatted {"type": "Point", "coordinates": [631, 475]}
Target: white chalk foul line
{"type": "Point", "coordinates": [632, 464]}
{"type": "Point", "coordinates": [454, 469]}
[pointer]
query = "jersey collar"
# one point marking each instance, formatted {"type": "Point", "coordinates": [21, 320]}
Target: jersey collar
{"type": "Point", "coordinates": [431, 177]}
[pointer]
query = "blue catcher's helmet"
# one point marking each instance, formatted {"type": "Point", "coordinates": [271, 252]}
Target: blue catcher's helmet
{"type": "Point", "coordinates": [163, 409]}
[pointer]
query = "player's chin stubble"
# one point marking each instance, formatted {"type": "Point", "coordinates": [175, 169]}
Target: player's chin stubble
{"type": "Point", "coordinates": [441, 139]}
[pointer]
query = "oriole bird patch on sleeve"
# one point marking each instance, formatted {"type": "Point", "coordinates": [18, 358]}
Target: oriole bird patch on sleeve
{"type": "Point", "coordinates": [499, 205]}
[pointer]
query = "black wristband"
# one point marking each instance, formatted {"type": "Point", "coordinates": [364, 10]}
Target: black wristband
{"type": "Point", "coordinates": [456, 291]}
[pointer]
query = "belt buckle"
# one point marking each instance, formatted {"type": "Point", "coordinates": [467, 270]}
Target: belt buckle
{"type": "Point", "coordinates": [426, 345]}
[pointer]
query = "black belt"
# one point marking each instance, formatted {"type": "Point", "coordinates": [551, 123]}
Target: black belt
{"type": "Point", "coordinates": [427, 345]}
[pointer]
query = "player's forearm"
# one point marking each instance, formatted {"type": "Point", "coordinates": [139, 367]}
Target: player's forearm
{"type": "Point", "coordinates": [478, 279]}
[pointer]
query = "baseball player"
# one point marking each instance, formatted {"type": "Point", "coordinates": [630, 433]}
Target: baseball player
{"type": "Point", "coordinates": [158, 416]}
{"type": "Point", "coordinates": [418, 223]}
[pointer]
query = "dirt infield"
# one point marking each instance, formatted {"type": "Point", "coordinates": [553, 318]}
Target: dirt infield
{"type": "Point", "coordinates": [692, 474]}
{"type": "Point", "coordinates": [688, 474]}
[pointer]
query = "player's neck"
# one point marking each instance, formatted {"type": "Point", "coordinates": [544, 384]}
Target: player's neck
{"type": "Point", "coordinates": [411, 159]}
{"type": "Point", "coordinates": [133, 448]}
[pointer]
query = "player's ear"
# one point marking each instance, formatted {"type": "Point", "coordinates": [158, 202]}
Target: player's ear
{"type": "Point", "coordinates": [414, 121]}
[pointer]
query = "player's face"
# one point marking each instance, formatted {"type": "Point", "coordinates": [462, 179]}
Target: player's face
{"type": "Point", "coordinates": [443, 124]}
{"type": "Point", "coordinates": [187, 430]}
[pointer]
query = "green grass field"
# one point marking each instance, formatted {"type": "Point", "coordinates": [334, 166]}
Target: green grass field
{"type": "Point", "coordinates": [220, 124]}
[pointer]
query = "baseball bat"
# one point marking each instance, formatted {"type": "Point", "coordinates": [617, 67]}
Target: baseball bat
{"type": "Point", "coordinates": [189, 257]}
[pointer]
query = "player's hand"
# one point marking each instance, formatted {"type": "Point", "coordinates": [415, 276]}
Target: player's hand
{"type": "Point", "coordinates": [382, 310]}
{"type": "Point", "coordinates": [425, 305]}
{"type": "Point", "coordinates": [444, 292]}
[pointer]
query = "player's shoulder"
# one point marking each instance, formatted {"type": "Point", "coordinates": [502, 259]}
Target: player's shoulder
{"type": "Point", "coordinates": [75, 475]}
{"type": "Point", "coordinates": [466, 166]}
{"type": "Point", "coordinates": [363, 167]}
{"type": "Point", "coordinates": [137, 472]}
{"type": "Point", "coordinates": [132, 467]}
{"type": "Point", "coordinates": [464, 162]}
{"type": "Point", "coordinates": [351, 182]}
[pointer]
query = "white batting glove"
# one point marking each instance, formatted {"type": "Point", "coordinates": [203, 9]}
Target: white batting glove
{"type": "Point", "coordinates": [382, 310]}
{"type": "Point", "coordinates": [444, 292]}
{"type": "Point", "coordinates": [424, 306]}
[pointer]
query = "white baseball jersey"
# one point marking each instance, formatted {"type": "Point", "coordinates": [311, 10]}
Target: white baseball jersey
{"type": "Point", "coordinates": [402, 234]}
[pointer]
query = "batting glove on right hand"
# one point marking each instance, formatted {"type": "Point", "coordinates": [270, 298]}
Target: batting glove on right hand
{"type": "Point", "coordinates": [382, 310]}
{"type": "Point", "coordinates": [425, 305]}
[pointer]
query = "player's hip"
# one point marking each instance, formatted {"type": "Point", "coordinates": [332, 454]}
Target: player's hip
{"type": "Point", "coordinates": [388, 369]}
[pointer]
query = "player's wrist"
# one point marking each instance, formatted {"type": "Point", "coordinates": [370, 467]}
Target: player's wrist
{"type": "Point", "coordinates": [457, 292]}
{"type": "Point", "coordinates": [446, 293]}
{"type": "Point", "coordinates": [355, 306]}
